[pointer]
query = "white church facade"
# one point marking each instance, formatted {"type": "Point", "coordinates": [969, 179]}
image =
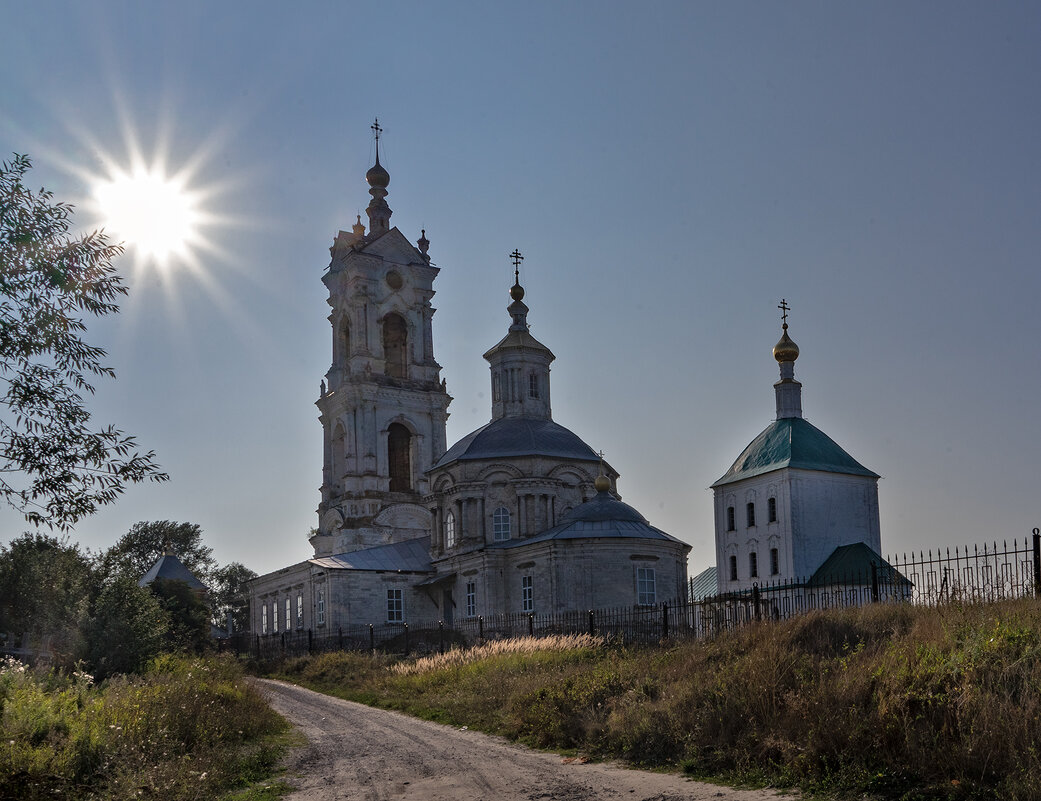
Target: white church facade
{"type": "Point", "coordinates": [518, 516]}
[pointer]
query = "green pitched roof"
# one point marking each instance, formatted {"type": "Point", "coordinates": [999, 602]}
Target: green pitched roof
{"type": "Point", "coordinates": [792, 442]}
{"type": "Point", "coordinates": [852, 564]}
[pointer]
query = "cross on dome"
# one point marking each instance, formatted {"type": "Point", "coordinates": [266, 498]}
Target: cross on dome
{"type": "Point", "coordinates": [784, 307]}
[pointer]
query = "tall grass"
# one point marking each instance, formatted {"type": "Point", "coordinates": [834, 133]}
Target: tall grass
{"type": "Point", "coordinates": [186, 729]}
{"type": "Point", "coordinates": [889, 701]}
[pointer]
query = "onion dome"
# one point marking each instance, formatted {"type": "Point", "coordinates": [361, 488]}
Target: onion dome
{"type": "Point", "coordinates": [602, 483]}
{"type": "Point", "coordinates": [378, 177]}
{"type": "Point", "coordinates": [517, 291]}
{"type": "Point", "coordinates": [786, 350]}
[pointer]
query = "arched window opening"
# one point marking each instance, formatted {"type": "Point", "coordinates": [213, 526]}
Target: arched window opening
{"type": "Point", "coordinates": [775, 563]}
{"type": "Point", "coordinates": [750, 514]}
{"type": "Point", "coordinates": [339, 454]}
{"type": "Point", "coordinates": [533, 385]}
{"type": "Point", "coordinates": [496, 392]}
{"type": "Point", "coordinates": [395, 346]}
{"type": "Point", "coordinates": [771, 510]}
{"type": "Point", "coordinates": [753, 564]}
{"type": "Point", "coordinates": [730, 518]}
{"type": "Point", "coordinates": [733, 568]}
{"type": "Point", "coordinates": [501, 524]}
{"type": "Point", "coordinates": [399, 458]}
{"type": "Point", "coordinates": [450, 530]}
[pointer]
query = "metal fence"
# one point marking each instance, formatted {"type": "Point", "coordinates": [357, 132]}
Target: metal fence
{"type": "Point", "coordinates": [983, 574]}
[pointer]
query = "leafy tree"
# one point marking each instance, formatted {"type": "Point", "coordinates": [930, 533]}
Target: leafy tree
{"type": "Point", "coordinates": [229, 592]}
{"type": "Point", "coordinates": [187, 614]}
{"type": "Point", "coordinates": [128, 628]}
{"type": "Point", "coordinates": [54, 466]}
{"type": "Point", "coordinates": [140, 548]}
{"type": "Point", "coordinates": [45, 589]}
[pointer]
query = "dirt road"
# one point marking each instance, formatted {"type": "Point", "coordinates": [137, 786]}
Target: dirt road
{"type": "Point", "coordinates": [356, 752]}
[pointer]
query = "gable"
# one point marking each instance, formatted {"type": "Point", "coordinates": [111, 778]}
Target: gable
{"type": "Point", "coordinates": [394, 247]}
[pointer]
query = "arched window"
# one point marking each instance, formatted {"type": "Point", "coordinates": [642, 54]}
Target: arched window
{"type": "Point", "coordinates": [450, 530]}
{"type": "Point", "coordinates": [533, 385]}
{"type": "Point", "coordinates": [750, 514]}
{"type": "Point", "coordinates": [339, 453]}
{"type": "Point", "coordinates": [730, 518]}
{"type": "Point", "coordinates": [395, 346]}
{"type": "Point", "coordinates": [733, 568]}
{"type": "Point", "coordinates": [501, 523]}
{"type": "Point", "coordinates": [771, 510]}
{"type": "Point", "coordinates": [399, 458]}
{"type": "Point", "coordinates": [753, 564]}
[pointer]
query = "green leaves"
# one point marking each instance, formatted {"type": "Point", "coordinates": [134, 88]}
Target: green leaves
{"type": "Point", "coordinates": [55, 467]}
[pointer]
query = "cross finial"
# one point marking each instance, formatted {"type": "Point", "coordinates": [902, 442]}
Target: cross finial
{"type": "Point", "coordinates": [517, 259]}
{"type": "Point", "coordinates": [784, 307]}
{"type": "Point", "coordinates": [376, 129]}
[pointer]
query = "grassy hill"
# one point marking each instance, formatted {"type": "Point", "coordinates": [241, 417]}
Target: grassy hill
{"type": "Point", "coordinates": [889, 701]}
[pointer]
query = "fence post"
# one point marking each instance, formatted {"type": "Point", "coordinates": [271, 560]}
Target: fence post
{"type": "Point", "coordinates": [339, 640]}
{"type": "Point", "coordinates": [310, 641]}
{"type": "Point", "coordinates": [755, 600]}
{"type": "Point", "coordinates": [441, 635]}
{"type": "Point", "coordinates": [480, 627]}
{"type": "Point", "coordinates": [406, 639]}
{"type": "Point", "coordinates": [372, 638]}
{"type": "Point", "coordinates": [664, 621]}
{"type": "Point", "coordinates": [875, 595]}
{"type": "Point", "coordinates": [531, 625]}
{"type": "Point", "coordinates": [1037, 562]}
{"type": "Point", "coordinates": [256, 638]}
{"type": "Point", "coordinates": [592, 624]}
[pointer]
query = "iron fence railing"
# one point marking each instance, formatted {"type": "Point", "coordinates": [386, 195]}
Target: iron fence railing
{"type": "Point", "coordinates": [980, 574]}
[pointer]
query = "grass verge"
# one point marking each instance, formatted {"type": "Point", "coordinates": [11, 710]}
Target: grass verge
{"type": "Point", "coordinates": [887, 702]}
{"type": "Point", "coordinates": [189, 728]}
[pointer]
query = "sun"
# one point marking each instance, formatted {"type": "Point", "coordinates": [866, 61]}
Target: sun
{"type": "Point", "coordinates": [152, 213]}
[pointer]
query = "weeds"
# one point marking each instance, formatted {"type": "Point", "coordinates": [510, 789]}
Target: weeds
{"type": "Point", "coordinates": [186, 729]}
{"type": "Point", "coordinates": [890, 701]}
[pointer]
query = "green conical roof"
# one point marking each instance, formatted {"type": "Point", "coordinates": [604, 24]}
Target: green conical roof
{"type": "Point", "coordinates": [792, 442]}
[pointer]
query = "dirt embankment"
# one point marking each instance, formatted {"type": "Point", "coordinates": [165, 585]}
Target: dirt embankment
{"type": "Point", "coordinates": [357, 752]}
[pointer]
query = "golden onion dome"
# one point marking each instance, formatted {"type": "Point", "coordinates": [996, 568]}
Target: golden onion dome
{"type": "Point", "coordinates": [602, 483]}
{"type": "Point", "coordinates": [377, 176]}
{"type": "Point", "coordinates": [785, 350]}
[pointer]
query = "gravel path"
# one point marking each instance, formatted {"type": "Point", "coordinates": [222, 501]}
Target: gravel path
{"type": "Point", "coordinates": [357, 752]}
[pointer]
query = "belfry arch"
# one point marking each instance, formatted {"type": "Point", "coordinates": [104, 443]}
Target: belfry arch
{"type": "Point", "coordinates": [399, 457]}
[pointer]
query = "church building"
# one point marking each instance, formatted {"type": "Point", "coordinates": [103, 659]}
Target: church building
{"type": "Point", "coordinates": [794, 509]}
{"type": "Point", "coordinates": [518, 516]}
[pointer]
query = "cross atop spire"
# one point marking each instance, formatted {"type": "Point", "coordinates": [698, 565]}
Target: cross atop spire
{"type": "Point", "coordinates": [376, 130]}
{"type": "Point", "coordinates": [784, 307]}
{"type": "Point", "coordinates": [517, 259]}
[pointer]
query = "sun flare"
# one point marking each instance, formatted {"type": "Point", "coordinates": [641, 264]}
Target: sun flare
{"type": "Point", "coordinates": [155, 214]}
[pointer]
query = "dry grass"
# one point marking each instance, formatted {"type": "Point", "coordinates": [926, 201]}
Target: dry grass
{"type": "Point", "coordinates": [528, 646]}
{"type": "Point", "coordinates": [886, 702]}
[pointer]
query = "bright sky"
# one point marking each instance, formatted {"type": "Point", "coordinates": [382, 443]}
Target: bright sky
{"type": "Point", "coordinates": [670, 172]}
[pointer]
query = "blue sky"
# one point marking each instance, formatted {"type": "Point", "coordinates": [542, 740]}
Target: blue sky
{"type": "Point", "coordinates": [669, 171]}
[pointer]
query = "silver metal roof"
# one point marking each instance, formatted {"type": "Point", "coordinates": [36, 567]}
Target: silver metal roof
{"type": "Point", "coordinates": [411, 556]}
{"type": "Point", "coordinates": [519, 436]}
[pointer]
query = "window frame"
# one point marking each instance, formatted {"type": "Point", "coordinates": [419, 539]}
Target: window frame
{"type": "Point", "coordinates": [395, 605]}
{"type": "Point", "coordinates": [731, 518]}
{"type": "Point", "coordinates": [320, 608]}
{"type": "Point", "coordinates": [750, 514]}
{"type": "Point", "coordinates": [645, 578]}
{"type": "Point", "coordinates": [775, 562]}
{"type": "Point", "coordinates": [753, 564]}
{"type": "Point", "coordinates": [274, 616]}
{"type": "Point", "coordinates": [771, 510]}
{"type": "Point", "coordinates": [501, 524]}
{"type": "Point", "coordinates": [733, 567]}
{"type": "Point", "coordinates": [263, 618]}
{"type": "Point", "coordinates": [449, 527]}
{"type": "Point", "coordinates": [527, 594]}
{"type": "Point", "coordinates": [533, 385]}
{"type": "Point", "coordinates": [299, 610]}
{"type": "Point", "coordinates": [471, 599]}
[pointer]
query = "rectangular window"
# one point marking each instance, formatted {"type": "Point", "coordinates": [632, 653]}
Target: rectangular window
{"type": "Point", "coordinates": [775, 566]}
{"type": "Point", "coordinates": [533, 385]}
{"type": "Point", "coordinates": [771, 510]}
{"type": "Point", "coordinates": [645, 595]}
{"type": "Point", "coordinates": [289, 613]}
{"type": "Point", "coordinates": [501, 524]}
{"type": "Point", "coordinates": [299, 610]}
{"type": "Point", "coordinates": [733, 568]}
{"type": "Point", "coordinates": [274, 617]}
{"type": "Point", "coordinates": [263, 619]}
{"type": "Point", "coordinates": [730, 518]}
{"type": "Point", "coordinates": [320, 608]}
{"type": "Point", "coordinates": [750, 509]}
{"type": "Point", "coordinates": [395, 606]}
{"type": "Point", "coordinates": [753, 564]}
{"type": "Point", "coordinates": [527, 595]}
{"type": "Point", "coordinates": [471, 599]}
